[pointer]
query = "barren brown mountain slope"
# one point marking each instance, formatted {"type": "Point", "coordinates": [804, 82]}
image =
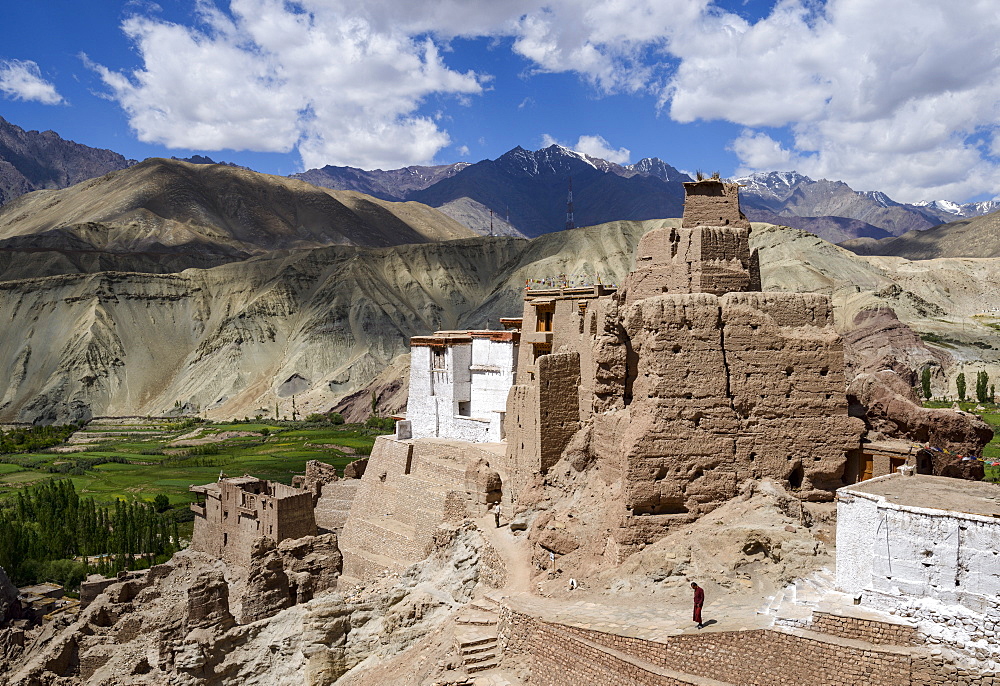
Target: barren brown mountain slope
{"type": "Point", "coordinates": [227, 339]}
{"type": "Point", "coordinates": [209, 213]}
{"type": "Point", "coordinates": [978, 237]}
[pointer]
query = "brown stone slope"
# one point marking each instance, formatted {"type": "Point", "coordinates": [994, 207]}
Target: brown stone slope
{"type": "Point", "coordinates": [170, 207]}
{"type": "Point", "coordinates": [978, 237]}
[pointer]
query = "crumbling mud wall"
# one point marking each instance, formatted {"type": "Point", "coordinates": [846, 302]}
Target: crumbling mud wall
{"type": "Point", "coordinates": [746, 386]}
{"type": "Point", "coordinates": [687, 382]}
{"type": "Point", "coordinates": [702, 260]}
{"type": "Point", "coordinates": [408, 490]}
{"type": "Point", "coordinates": [713, 202]}
{"type": "Point", "coordinates": [543, 416]}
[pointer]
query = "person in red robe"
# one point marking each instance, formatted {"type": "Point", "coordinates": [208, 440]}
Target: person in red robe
{"type": "Point", "coordinates": [699, 601]}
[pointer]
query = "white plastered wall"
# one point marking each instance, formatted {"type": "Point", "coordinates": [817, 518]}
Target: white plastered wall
{"type": "Point", "coordinates": [479, 375]}
{"type": "Point", "coordinates": [894, 549]}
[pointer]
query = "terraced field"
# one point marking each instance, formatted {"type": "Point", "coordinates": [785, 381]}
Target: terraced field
{"type": "Point", "coordinates": [140, 459]}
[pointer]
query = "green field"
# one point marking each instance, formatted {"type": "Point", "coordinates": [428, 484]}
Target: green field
{"type": "Point", "coordinates": [142, 463]}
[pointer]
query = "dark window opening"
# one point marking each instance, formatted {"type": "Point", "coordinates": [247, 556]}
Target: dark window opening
{"type": "Point", "coordinates": [544, 314]}
{"type": "Point", "coordinates": [795, 478]}
{"type": "Point", "coordinates": [667, 508]}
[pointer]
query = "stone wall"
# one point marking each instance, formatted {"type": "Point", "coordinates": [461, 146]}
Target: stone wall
{"type": "Point", "coordinates": [334, 504]}
{"type": "Point", "coordinates": [409, 489]}
{"type": "Point", "coordinates": [894, 548]}
{"type": "Point", "coordinates": [750, 658]}
{"type": "Point", "coordinates": [492, 568]}
{"type": "Point", "coordinates": [870, 630]}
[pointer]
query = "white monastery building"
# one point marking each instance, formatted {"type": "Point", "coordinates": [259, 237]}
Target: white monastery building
{"type": "Point", "coordinates": [903, 538]}
{"type": "Point", "coordinates": [459, 381]}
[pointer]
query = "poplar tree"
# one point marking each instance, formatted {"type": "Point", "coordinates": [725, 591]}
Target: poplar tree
{"type": "Point", "coordinates": [982, 386]}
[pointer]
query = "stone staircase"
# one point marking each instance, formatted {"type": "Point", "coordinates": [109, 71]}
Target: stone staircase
{"type": "Point", "coordinates": [476, 636]}
{"type": "Point", "coordinates": [335, 503]}
{"type": "Point", "coordinates": [795, 604]}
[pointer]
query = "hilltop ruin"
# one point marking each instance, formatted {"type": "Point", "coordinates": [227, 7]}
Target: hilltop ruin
{"type": "Point", "coordinates": [606, 423]}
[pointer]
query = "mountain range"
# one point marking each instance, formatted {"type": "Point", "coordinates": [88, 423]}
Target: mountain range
{"type": "Point", "coordinates": [524, 193]}
{"type": "Point", "coordinates": [220, 288]}
{"type": "Point", "coordinates": [167, 215]}
{"type": "Point", "coordinates": [322, 323]}
{"type": "Point", "coordinates": [977, 237]}
{"type": "Point", "coordinates": [32, 160]}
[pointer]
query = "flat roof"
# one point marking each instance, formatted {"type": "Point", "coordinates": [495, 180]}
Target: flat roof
{"type": "Point", "coordinates": [41, 589]}
{"type": "Point", "coordinates": [933, 492]}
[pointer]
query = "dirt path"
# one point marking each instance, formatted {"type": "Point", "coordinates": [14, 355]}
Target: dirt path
{"type": "Point", "coordinates": [516, 553]}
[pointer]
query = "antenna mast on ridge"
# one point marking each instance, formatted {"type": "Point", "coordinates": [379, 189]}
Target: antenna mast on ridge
{"type": "Point", "coordinates": [569, 206]}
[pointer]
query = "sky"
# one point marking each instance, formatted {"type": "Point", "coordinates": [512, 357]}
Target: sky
{"type": "Point", "coordinates": [901, 96]}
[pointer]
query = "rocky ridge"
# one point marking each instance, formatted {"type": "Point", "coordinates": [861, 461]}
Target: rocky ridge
{"type": "Point", "coordinates": [976, 237]}
{"type": "Point", "coordinates": [177, 624]}
{"type": "Point", "coordinates": [197, 215]}
{"type": "Point", "coordinates": [32, 160]}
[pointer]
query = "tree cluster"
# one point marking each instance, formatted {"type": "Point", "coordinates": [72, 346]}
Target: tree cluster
{"type": "Point", "coordinates": [31, 439]}
{"type": "Point", "coordinates": [49, 533]}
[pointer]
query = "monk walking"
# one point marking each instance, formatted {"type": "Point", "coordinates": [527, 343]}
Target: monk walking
{"type": "Point", "coordinates": [699, 601]}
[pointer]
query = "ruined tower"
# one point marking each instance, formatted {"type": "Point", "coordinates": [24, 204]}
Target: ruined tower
{"type": "Point", "coordinates": [688, 381]}
{"type": "Point", "coordinates": [709, 254]}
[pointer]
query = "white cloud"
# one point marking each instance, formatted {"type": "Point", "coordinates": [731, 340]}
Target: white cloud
{"type": "Point", "coordinates": [265, 77]}
{"type": "Point", "coordinates": [888, 95]}
{"type": "Point", "coordinates": [900, 95]}
{"type": "Point", "coordinates": [462, 150]}
{"type": "Point", "coordinates": [595, 146]}
{"type": "Point", "coordinates": [22, 80]}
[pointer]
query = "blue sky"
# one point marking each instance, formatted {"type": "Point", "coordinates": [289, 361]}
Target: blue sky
{"type": "Point", "coordinates": [896, 95]}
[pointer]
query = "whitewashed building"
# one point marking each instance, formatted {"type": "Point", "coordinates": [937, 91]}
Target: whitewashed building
{"type": "Point", "coordinates": [459, 381]}
{"type": "Point", "coordinates": [902, 538]}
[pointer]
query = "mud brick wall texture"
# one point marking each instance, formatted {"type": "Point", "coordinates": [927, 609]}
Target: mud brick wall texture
{"type": "Point", "coordinates": [409, 489]}
{"type": "Point", "coordinates": [878, 633]}
{"type": "Point", "coordinates": [762, 658]}
{"type": "Point", "coordinates": [561, 654]}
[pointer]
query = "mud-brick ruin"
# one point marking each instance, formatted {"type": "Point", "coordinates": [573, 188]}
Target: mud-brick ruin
{"type": "Point", "coordinates": [606, 423]}
{"type": "Point", "coordinates": [234, 512]}
{"type": "Point", "coordinates": [687, 382]}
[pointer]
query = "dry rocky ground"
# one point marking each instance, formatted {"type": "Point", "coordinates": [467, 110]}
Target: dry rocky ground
{"type": "Point", "coordinates": [196, 621]}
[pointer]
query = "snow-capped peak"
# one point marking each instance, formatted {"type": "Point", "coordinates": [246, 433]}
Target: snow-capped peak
{"type": "Point", "coordinates": [880, 198]}
{"type": "Point", "coordinates": [969, 209]}
{"type": "Point", "coordinates": [773, 180]}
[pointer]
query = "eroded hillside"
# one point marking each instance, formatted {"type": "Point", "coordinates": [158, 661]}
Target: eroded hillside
{"type": "Point", "coordinates": [197, 215]}
{"type": "Point", "coordinates": [237, 339]}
